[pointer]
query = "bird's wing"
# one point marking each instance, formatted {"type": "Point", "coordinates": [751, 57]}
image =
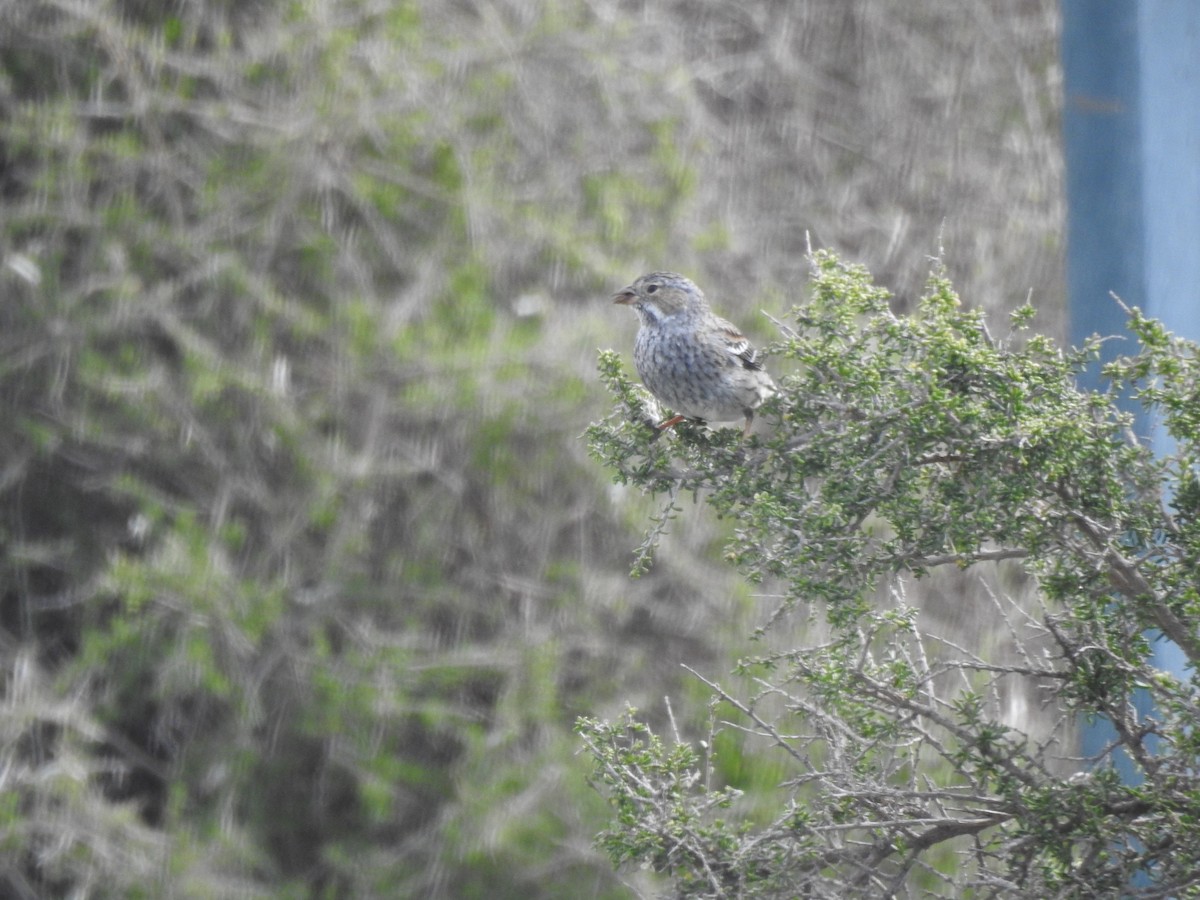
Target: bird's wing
{"type": "Point", "coordinates": [737, 344]}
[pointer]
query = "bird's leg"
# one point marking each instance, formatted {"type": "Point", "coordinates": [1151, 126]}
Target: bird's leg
{"type": "Point", "coordinates": [749, 422]}
{"type": "Point", "coordinates": [664, 425]}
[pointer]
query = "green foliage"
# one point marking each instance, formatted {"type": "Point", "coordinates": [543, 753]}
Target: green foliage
{"type": "Point", "coordinates": [908, 450]}
{"type": "Point", "coordinates": [663, 816]}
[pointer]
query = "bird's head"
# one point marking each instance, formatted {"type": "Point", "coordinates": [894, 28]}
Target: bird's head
{"type": "Point", "coordinates": [660, 295]}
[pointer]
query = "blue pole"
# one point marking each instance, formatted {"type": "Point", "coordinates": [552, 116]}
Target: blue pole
{"type": "Point", "coordinates": [1101, 121]}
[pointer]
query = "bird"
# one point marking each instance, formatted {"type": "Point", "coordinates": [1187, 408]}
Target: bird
{"type": "Point", "coordinates": [693, 361]}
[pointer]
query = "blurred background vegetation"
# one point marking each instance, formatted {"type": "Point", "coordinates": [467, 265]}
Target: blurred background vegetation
{"type": "Point", "coordinates": [304, 572]}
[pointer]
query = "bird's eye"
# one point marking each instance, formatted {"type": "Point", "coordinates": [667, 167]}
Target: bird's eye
{"type": "Point", "coordinates": [650, 289]}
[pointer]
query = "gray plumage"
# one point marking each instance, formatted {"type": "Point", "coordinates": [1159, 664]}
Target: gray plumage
{"type": "Point", "coordinates": [696, 363]}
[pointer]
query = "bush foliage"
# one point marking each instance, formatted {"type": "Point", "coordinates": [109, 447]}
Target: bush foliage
{"type": "Point", "coordinates": [903, 445]}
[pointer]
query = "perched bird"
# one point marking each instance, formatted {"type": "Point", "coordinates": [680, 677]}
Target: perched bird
{"type": "Point", "coordinates": [692, 360]}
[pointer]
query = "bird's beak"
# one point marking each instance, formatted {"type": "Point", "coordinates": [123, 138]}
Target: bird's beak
{"type": "Point", "coordinates": [625, 296]}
